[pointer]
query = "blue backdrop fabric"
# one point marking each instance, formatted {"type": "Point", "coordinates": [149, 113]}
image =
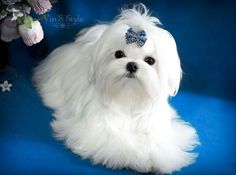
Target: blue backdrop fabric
{"type": "Point", "coordinates": [205, 33]}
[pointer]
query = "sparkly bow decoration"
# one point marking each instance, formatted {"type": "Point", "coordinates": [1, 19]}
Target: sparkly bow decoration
{"type": "Point", "coordinates": [138, 37]}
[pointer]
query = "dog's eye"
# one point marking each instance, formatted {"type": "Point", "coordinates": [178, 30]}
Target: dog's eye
{"type": "Point", "coordinates": [149, 60]}
{"type": "Point", "coordinates": [119, 54]}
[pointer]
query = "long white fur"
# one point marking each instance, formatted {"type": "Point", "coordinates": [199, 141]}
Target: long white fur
{"type": "Point", "coordinates": [109, 118]}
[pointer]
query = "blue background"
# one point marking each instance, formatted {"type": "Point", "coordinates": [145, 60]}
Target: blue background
{"type": "Point", "coordinates": [205, 33]}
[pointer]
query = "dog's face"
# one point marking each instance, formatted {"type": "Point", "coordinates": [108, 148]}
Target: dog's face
{"type": "Point", "coordinates": [134, 77]}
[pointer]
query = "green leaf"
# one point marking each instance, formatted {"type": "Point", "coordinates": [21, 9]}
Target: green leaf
{"type": "Point", "coordinates": [20, 20]}
{"type": "Point", "coordinates": [28, 20]}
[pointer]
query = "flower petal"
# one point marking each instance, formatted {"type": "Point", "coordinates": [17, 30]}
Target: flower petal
{"type": "Point", "coordinates": [32, 35]}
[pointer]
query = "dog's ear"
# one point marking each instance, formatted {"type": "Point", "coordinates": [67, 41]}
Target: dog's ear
{"type": "Point", "coordinates": [175, 75]}
{"type": "Point", "coordinates": [172, 69]}
{"type": "Point", "coordinates": [88, 37]}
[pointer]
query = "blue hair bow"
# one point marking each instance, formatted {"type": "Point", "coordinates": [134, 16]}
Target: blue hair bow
{"type": "Point", "coordinates": [138, 37]}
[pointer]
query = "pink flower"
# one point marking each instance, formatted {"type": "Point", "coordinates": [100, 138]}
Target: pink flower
{"type": "Point", "coordinates": [31, 35]}
{"type": "Point", "coordinates": [40, 6]}
{"type": "Point", "coordinates": [9, 30]}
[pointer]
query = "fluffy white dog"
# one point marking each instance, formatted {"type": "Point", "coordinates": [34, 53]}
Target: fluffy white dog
{"type": "Point", "coordinates": [109, 89]}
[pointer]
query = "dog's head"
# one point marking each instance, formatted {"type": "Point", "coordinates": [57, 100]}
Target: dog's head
{"type": "Point", "coordinates": [133, 60]}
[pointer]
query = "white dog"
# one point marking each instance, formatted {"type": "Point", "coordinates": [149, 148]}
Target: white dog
{"type": "Point", "coordinates": [109, 89]}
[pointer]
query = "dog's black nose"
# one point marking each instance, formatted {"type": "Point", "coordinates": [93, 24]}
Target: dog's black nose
{"type": "Point", "coordinates": [132, 67]}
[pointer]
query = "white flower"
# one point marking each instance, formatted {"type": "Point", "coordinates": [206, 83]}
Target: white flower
{"type": "Point", "coordinates": [25, 9]}
{"type": "Point", "coordinates": [15, 12]}
{"type": "Point", "coordinates": [31, 35]}
{"type": "Point", "coordinates": [6, 86]}
{"type": "Point", "coordinates": [15, 15]}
